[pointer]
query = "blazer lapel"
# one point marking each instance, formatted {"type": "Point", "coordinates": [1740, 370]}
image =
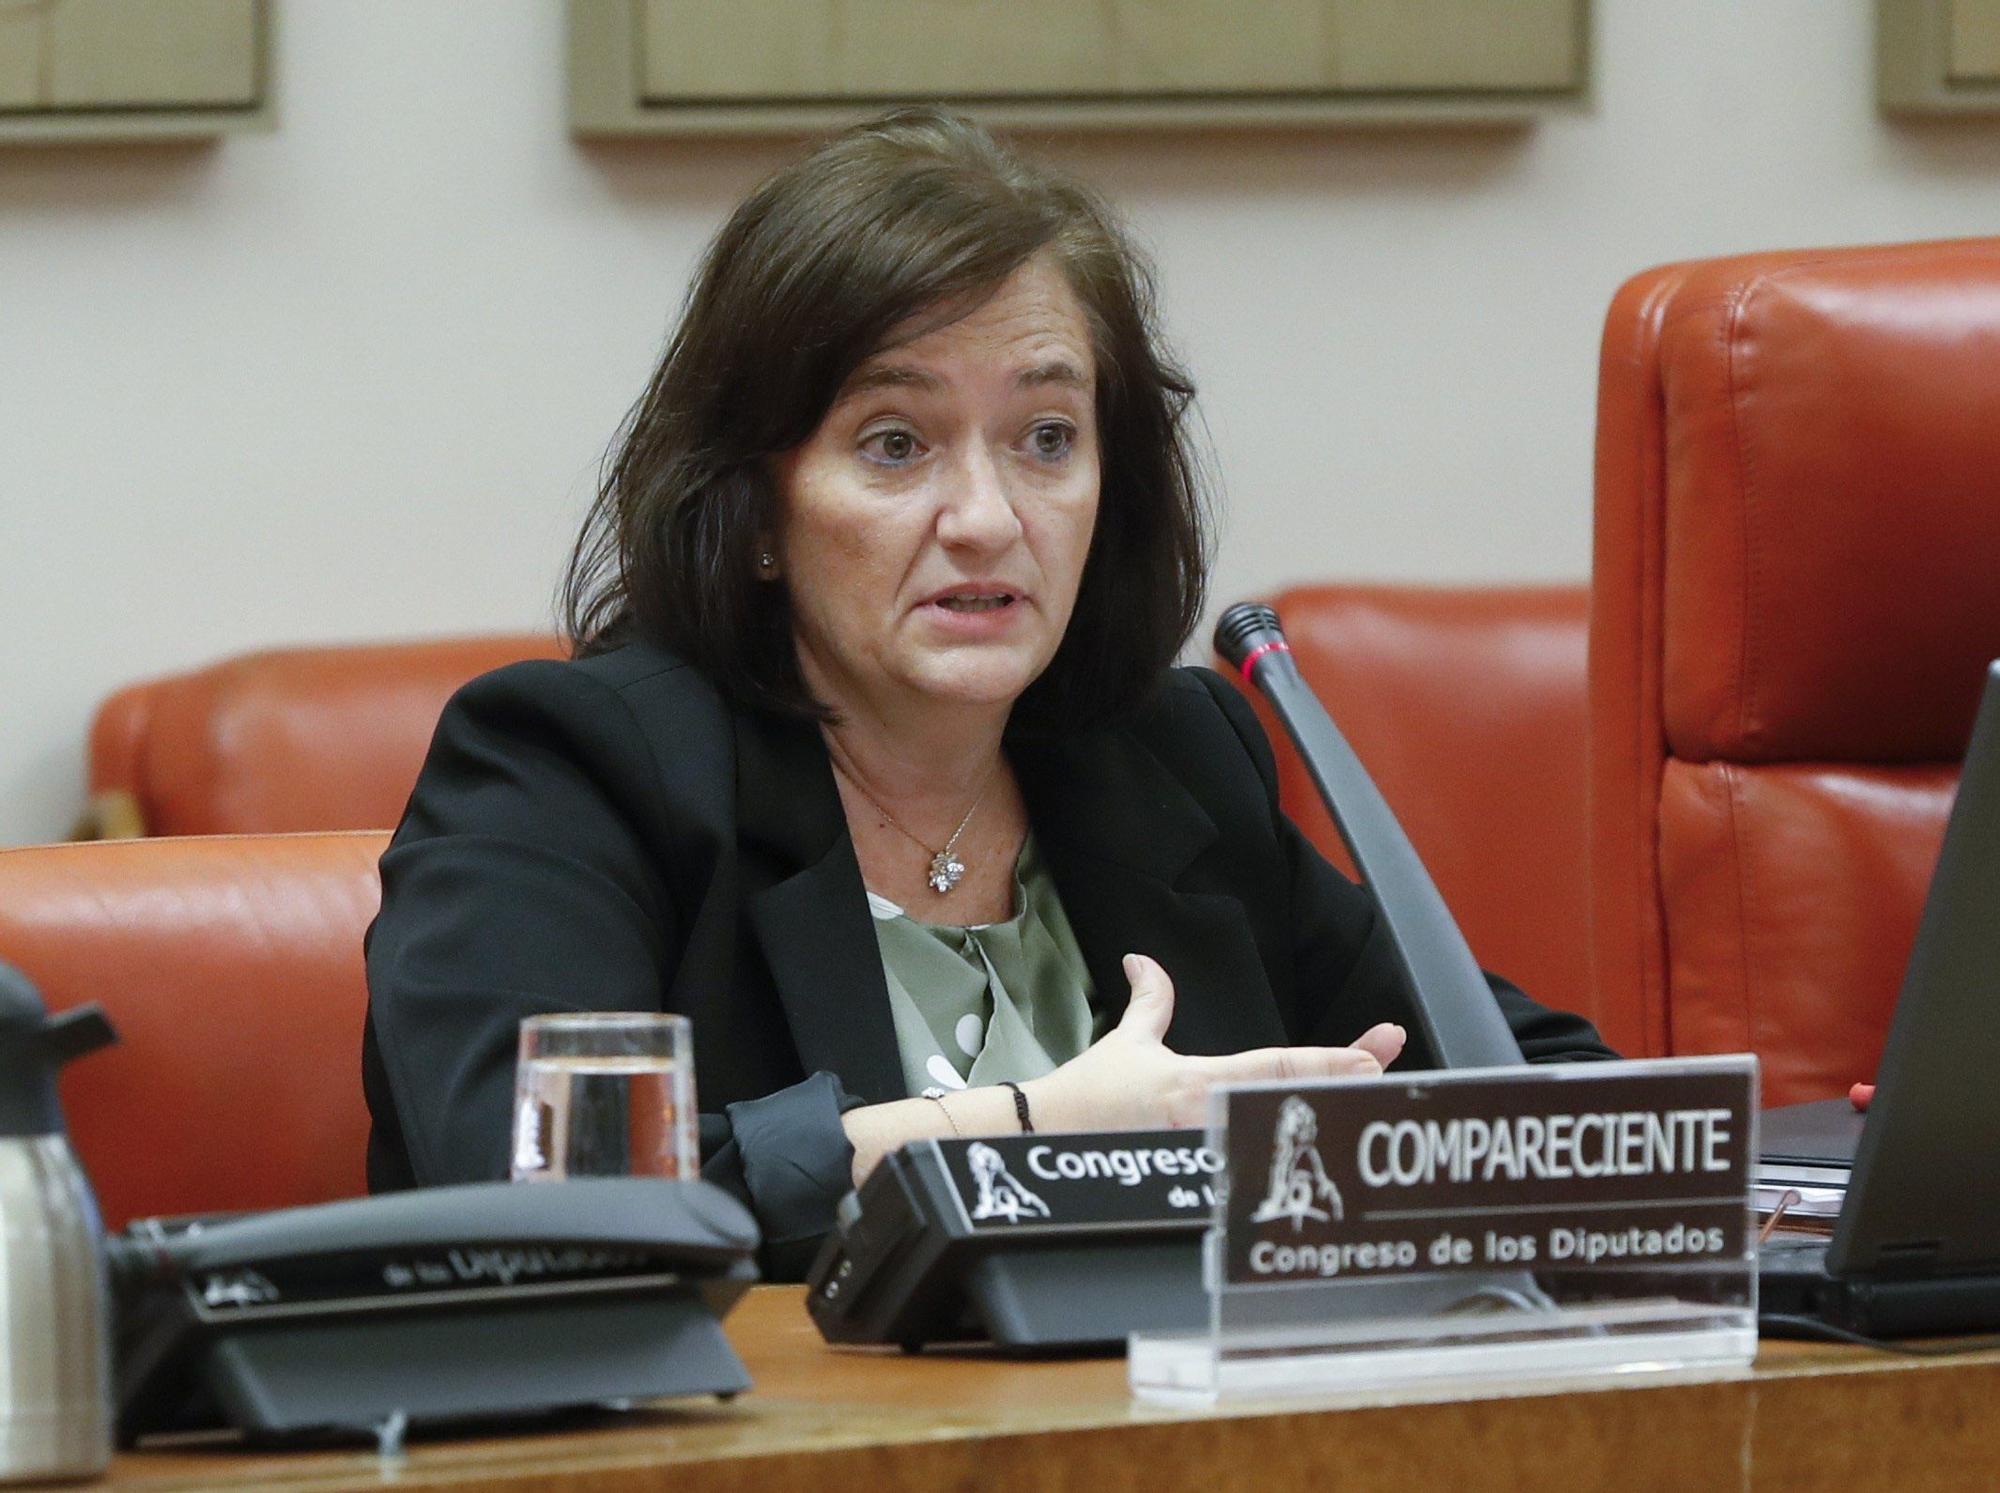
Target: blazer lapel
{"type": "Point", "coordinates": [808, 908]}
{"type": "Point", "coordinates": [1118, 831]}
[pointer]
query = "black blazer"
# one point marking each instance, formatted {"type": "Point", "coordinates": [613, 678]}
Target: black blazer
{"type": "Point", "coordinates": [609, 834]}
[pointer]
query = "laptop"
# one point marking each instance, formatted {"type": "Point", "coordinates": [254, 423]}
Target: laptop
{"type": "Point", "coordinates": [1916, 1246]}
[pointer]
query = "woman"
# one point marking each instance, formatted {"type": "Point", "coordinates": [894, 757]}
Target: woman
{"type": "Point", "coordinates": [872, 761]}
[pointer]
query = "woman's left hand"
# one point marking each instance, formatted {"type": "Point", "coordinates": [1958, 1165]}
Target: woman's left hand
{"type": "Point", "coordinates": [1129, 1079]}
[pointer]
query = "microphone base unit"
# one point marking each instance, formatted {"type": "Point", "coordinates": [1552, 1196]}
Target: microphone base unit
{"type": "Point", "coordinates": [440, 1306]}
{"type": "Point", "coordinates": [1087, 1296]}
{"type": "Point", "coordinates": [911, 1260]}
{"type": "Point", "coordinates": [341, 1379]}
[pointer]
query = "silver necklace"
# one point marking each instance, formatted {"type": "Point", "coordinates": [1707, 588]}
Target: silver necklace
{"type": "Point", "coordinates": [946, 870]}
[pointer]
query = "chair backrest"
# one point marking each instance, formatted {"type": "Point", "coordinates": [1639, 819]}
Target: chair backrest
{"type": "Point", "coordinates": [232, 968]}
{"type": "Point", "coordinates": [1796, 589]}
{"type": "Point", "coordinates": [1467, 706]}
{"type": "Point", "coordinates": [288, 740]}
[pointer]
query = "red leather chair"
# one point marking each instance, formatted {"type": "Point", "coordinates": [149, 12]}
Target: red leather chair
{"type": "Point", "coordinates": [292, 739]}
{"type": "Point", "coordinates": [1467, 705]}
{"type": "Point", "coordinates": [1797, 587]}
{"type": "Point", "coordinates": [231, 967]}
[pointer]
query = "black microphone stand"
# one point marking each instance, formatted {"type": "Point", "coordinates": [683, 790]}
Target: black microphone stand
{"type": "Point", "coordinates": [1450, 997]}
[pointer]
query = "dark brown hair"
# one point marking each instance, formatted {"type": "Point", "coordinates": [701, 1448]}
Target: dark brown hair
{"type": "Point", "coordinates": [917, 212]}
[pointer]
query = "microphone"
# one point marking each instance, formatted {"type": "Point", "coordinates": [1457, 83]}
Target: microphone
{"type": "Point", "coordinates": [1452, 1002]}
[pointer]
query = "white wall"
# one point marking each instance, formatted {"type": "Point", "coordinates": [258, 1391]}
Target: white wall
{"type": "Point", "coordinates": [351, 379]}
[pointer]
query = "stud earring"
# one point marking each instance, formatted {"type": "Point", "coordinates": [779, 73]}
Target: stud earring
{"type": "Point", "coordinates": [767, 561]}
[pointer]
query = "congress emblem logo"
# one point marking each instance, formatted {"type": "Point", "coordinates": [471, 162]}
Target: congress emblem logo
{"type": "Point", "coordinates": [1000, 1195]}
{"type": "Point", "coordinates": [1299, 1185]}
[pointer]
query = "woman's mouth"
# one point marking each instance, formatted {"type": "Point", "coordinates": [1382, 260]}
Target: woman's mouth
{"type": "Point", "coordinates": [957, 602]}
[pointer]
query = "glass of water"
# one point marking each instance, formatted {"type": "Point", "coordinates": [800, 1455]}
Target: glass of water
{"type": "Point", "coordinates": [605, 1094]}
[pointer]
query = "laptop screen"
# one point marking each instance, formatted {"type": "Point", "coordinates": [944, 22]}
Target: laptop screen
{"type": "Point", "coordinates": [1925, 1193]}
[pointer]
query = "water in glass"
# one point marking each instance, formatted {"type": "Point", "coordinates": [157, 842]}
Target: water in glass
{"type": "Point", "coordinates": [604, 1117]}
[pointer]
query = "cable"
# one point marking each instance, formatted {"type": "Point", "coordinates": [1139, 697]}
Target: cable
{"type": "Point", "coordinates": [1813, 1327]}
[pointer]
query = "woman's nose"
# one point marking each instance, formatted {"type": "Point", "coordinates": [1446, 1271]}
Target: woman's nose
{"type": "Point", "coordinates": [977, 508]}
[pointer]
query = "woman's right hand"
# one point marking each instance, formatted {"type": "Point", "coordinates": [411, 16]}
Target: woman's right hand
{"type": "Point", "coordinates": [1129, 1079]}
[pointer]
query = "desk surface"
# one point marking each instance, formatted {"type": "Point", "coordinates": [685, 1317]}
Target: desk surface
{"type": "Point", "coordinates": [1810, 1416]}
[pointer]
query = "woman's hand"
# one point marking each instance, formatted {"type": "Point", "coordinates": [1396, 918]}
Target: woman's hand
{"type": "Point", "coordinates": [1131, 1080]}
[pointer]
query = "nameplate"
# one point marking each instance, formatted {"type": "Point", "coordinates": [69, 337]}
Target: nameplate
{"type": "Point", "coordinates": [1137, 1179]}
{"type": "Point", "coordinates": [1580, 1168]}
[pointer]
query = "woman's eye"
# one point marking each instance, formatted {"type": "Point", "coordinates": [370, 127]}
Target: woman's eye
{"type": "Point", "coordinates": [893, 447]}
{"type": "Point", "coordinates": [1052, 439]}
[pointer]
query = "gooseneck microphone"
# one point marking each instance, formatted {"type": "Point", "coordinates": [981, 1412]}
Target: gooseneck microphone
{"type": "Point", "coordinates": [1450, 997]}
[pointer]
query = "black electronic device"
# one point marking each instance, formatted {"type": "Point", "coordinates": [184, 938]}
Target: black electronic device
{"type": "Point", "coordinates": [909, 1262]}
{"type": "Point", "coordinates": [444, 1304]}
{"type": "Point", "coordinates": [1025, 1241]}
{"type": "Point", "coordinates": [1916, 1248]}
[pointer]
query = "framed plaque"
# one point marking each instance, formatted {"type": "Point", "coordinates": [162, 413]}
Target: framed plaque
{"type": "Point", "coordinates": [751, 66]}
{"type": "Point", "coordinates": [134, 69]}
{"type": "Point", "coordinates": [1938, 56]}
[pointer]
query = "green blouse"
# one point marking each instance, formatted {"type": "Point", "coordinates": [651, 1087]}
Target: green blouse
{"type": "Point", "coordinates": [975, 1005]}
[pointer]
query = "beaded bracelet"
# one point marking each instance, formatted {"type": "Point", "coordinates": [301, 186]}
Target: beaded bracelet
{"type": "Point", "coordinates": [1020, 1106]}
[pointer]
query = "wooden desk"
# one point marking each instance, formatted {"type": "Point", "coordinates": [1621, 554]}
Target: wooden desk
{"type": "Point", "coordinates": [824, 1420]}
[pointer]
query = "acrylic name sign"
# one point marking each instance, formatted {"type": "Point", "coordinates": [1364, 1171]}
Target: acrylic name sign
{"type": "Point", "coordinates": [1450, 1173]}
{"type": "Point", "coordinates": [1460, 1232]}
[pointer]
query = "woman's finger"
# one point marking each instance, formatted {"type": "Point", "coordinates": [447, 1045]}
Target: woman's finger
{"type": "Point", "coordinates": [1151, 1009]}
{"type": "Point", "coordinates": [1384, 1041]}
{"type": "Point", "coordinates": [1289, 1063]}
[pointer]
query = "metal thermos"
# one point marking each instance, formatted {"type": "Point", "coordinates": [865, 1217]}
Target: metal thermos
{"type": "Point", "coordinates": [55, 1370]}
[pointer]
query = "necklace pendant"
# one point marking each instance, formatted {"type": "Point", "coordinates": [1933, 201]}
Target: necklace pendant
{"type": "Point", "coordinates": [947, 870]}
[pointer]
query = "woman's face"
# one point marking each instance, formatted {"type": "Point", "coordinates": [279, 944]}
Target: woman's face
{"type": "Point", "coordinates": [933, 529]}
